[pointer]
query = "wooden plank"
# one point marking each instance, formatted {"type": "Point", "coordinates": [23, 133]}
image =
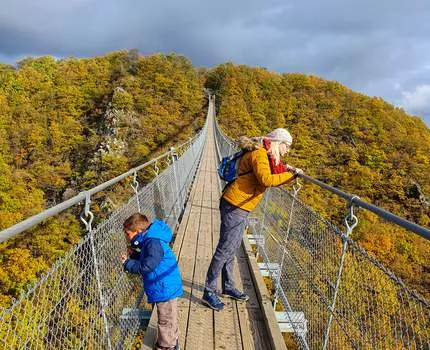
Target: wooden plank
{"type": "Point", "coordinates": [199, 336]}
{"type": "Point", "coordinates": [204, 252]}
{"type": "Point", "coordinates": [243, 315]}
{"type": "Point", "coordinates": [246, 281]}
{"type": "Point", "coordinates": [258, 329]}
{"type": "Point", "coordinates": [188, 251]}
{"type": "Point", "coordinates": [187, 258]}
{"type": "Point", "coordinates": [275, 338]}
{"type": "Point", "coordinates": [183, 224]}
{"type": "Point", "coordinates": [200, 322]}
{"type": "Point", "coordinates": [151, 331]}
{"type": "Point", "coordinates": [250, 312]}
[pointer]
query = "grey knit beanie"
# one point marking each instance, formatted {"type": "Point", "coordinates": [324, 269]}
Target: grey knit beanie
{"type": "Point", "coordinates": [280, 135]}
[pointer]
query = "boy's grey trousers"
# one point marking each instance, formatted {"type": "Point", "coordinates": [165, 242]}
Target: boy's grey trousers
{"type": "Point", "coordinates": [233, 221]}
{"type": "Point", "coordinates": [168, 331]}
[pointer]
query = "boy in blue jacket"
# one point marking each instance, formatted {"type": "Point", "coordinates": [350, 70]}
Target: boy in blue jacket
{"type": "Point", "coordinates": [156, 263]}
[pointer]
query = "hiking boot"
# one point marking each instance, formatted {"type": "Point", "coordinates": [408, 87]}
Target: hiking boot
{"type": "Point", "coordinates": [212, 300]}
{"type": "Point", "coordinates": [235, 294]}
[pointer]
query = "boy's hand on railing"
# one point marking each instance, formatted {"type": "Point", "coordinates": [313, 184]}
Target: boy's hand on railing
{"type": "Point", "coordinates": [124, 258]}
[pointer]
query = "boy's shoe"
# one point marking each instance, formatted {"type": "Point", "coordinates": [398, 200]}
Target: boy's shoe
{"type": "Point", "coordinates": [158, 347]}
{"type": "Point", "coordinates": [235, 294]}
{"type": "Point", "coordinates": [212, 300]}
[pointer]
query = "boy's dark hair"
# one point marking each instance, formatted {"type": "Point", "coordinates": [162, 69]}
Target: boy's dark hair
{"type": "Point", "coordinates": [135, 222]}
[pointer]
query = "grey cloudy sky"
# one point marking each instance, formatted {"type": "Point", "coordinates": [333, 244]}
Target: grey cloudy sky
{"type": "Point", "coordinates": [380, 48]}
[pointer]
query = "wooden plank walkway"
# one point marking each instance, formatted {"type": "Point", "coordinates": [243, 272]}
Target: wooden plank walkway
{"type": "Point", "coordinates": [240, 325]}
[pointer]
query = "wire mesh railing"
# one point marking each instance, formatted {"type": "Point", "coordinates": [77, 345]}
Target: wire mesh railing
{"type": "Point", "coordinates": [348, 298]}
{"type": "Point", "coordinates": [86, 301]}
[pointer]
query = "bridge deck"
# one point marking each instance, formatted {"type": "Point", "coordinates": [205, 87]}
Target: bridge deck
{"type": "Point", "coordinates": [240, 325]}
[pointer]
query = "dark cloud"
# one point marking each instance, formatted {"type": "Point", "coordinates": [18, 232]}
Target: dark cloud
{"type": "Point", "coordinates": [376, 47]}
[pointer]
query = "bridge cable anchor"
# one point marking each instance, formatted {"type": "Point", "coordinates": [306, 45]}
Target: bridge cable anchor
{"type": "Point", "coordinates": [87, 216]}
{"type": "Point", "coordinates": [296, 187]}
{"type": "Point", "coordinates": [173, 154]}
{"type": "Point", "coordinates": [351, 221]}
{"type": "Point", "coordinates": [156, 168]}
{"type": "Point", "coordinates": [135, 186]}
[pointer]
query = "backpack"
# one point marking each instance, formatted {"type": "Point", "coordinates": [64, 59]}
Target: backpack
{"type": "Point", "coordinates": [228, 168]}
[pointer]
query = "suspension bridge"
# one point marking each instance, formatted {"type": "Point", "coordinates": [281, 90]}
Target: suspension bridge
{"type": "Point", "coordinates": [324, 289]}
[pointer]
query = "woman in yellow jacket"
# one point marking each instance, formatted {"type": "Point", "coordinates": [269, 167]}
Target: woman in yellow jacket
{"type": "Point", "coordinates": [260, 167]}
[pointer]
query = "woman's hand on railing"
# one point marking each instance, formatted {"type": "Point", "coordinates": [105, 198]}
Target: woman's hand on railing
{"type": "Point", "coordinates": [297, 172]}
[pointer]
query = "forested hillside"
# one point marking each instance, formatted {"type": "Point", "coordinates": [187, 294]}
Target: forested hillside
{"type": "Point", "coordinates": [67, 125]}
{"type": "Point", "coordinates": [360, 144]}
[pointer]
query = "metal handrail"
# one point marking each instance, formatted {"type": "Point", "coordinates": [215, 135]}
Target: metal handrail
{"type": "Point", "coordinates": [419, 230]}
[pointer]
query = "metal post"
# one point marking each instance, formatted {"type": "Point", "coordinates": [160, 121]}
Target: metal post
{"type": "Point", "coordinates": [88, 213]}
{"type": "Point", "coordinates": [179, 196]}
{"type": "Point", "coordinates": [135, 186]}
{"type": "Point", "coordinates": [174, 188]}
{"type": "Point", "coordinates": [191, 147]}
{"type": "Point", "coordinates": [159, 210]}
{"type": "Point", "coordinates": [351, 222]}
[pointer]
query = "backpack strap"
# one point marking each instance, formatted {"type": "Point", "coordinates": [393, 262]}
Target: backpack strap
{"type": "Point", "coordinates": [243, 174]}
{"type": "Point", "coordinates": [238, 154]}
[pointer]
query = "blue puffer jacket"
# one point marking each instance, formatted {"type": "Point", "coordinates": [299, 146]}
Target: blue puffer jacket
{"type": "Point", "coordinates": [157, 264]}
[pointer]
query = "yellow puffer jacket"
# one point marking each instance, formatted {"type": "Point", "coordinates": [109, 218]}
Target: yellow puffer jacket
{"type": "Point", "coordinates": [247, 190]}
